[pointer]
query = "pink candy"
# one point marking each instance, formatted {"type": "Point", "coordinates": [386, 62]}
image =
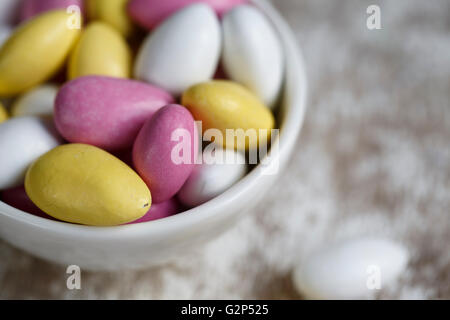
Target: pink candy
{"type": "Point", "coordinates": [31, 8]}
{"type": "Point", "coordinates": [106, 112]}
{"type": "Point", "coordinates": [161, 210]}
{"type": "Point", "coordinates": [149, 13]}
{"type": "Point", "coordinates": [155, 152]}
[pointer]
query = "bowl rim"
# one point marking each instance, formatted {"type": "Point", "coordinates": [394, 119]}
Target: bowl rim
{"type": "Point", "coordinates": [295, 83]}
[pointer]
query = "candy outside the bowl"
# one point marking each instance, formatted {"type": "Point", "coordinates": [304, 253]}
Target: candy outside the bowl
{"type": "Point", "coordinates": [83, 184]}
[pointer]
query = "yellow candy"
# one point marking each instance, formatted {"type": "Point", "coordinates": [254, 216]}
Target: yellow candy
{"type": "Point", "coordinates": [3, 113]}
{"type": "Point", "coordinates": [36, 51]}
{"type": "Point", "coordinates": [227, 105]}
{"type": "Point", "coordinates": [100, 51]}
{"type": "Point", "coordinates": [83, 184]}
{"type": "Point", "coordinates": [113, 12]}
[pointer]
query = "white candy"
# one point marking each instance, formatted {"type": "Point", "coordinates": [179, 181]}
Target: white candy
{"type": "Point", "coordinates": [210, 180]}
{"type": "Point", "coordinates": [252, 53]}
{"type": "Point", "coordinates": [183, 51]}
{"type": "Point", "coordinates": [8, 11]}
{"type": "Point", "coordinates": [352, 269]}
{"type": "Point", "coordinates": [38, 101]}
{"type": "Point", "coordinates": [5, 33]}
{"type": "Point", "coordinates": [23, 140]}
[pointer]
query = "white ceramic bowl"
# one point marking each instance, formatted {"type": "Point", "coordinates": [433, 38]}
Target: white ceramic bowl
{"type": "Point", "coordinates": [151, 243]}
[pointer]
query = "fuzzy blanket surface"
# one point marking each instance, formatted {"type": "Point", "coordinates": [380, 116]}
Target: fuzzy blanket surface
{"type": "Point", "coordinates": [373, 158]}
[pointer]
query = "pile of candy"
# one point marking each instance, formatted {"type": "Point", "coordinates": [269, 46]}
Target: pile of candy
{"type": "Point", "coordinates": [86, 144]}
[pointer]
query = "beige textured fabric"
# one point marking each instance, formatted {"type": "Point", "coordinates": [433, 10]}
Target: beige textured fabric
{"type": "Point", "coordinates": [373, 158]}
